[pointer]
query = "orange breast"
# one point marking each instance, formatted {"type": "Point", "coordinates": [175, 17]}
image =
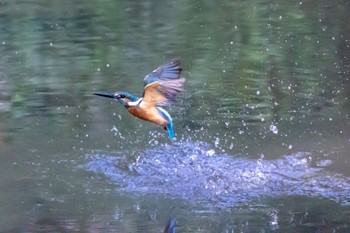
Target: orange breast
{"type": "Point", "coordinates": [148, 114]}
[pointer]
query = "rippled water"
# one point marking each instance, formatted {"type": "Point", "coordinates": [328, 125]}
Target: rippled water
{"type": "Point", "coordinates": [237, 190]}
{"type": "Point", "coordinates": [262, 127]}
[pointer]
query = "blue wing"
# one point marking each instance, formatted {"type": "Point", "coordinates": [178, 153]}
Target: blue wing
{"type": "Point", "coordinates": [164, 83]}
{"type": "Point", "coordinates": [168, 71]}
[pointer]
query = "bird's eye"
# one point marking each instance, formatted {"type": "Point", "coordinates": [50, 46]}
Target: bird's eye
{"type": "Point", "coordinates": [119, 96]}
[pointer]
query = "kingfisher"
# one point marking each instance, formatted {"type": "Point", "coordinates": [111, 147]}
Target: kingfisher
{"type": "Point", "coordinates": [160, 89]}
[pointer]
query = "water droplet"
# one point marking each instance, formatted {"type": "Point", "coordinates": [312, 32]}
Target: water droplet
{"type": "Point", "coordinates": [193, 157]}
{"type": "Point", "coordinates": [217, 141]}
{"type": "Point", "coordinates": [210, 152]}
{"type": "Point", "coordinates": [274, 129]}
{"type": "Point", "coordinates": [231, 146]}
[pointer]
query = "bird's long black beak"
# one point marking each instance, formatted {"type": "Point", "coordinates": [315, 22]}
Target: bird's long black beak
{"type": "Point", "coordinates": [105, 94]}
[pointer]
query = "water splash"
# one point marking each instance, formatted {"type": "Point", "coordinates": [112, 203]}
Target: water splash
{"type": "Point", "coordinates": [194, 172]}
{"type": "Point", "coordinates": [274, 129]}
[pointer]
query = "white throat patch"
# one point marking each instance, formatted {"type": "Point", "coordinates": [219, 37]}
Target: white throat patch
{"type": "Point", "coordinates": [135, 103]}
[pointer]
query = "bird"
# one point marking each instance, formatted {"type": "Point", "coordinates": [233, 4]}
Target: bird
{"type": "Point", "coordinates": [161, 87]}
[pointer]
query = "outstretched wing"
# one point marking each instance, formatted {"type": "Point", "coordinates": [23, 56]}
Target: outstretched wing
{"type": "Point", "coordinates": [163, 84]}
{"type": "Point", "coordinates": [168, 71]}
{"type": "Point", "coordinates": [163, 93]}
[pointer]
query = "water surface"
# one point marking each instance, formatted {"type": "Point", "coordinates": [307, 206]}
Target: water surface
{"type": "Point", "coordinates": [262, 128]}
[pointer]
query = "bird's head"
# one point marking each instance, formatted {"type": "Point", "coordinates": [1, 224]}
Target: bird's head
{"type": "Point", "coordinates": [123, 97]}
{"type": "Point", "coordinates": [112, 95]}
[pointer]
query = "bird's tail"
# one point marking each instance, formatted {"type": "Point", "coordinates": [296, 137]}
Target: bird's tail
{"type": "Point", "coordinates": [170, 226]}
{"type": "Point", "coordinates": [169, 126]}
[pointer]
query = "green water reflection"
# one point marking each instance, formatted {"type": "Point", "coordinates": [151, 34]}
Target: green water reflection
{"type": "Point", "coordinates": [263, 78]}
